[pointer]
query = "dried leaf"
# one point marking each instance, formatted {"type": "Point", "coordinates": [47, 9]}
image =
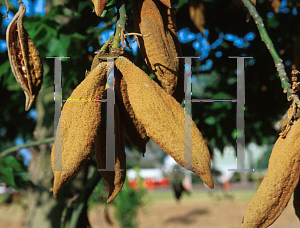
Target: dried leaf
{"type": "Point", "coordinates": [196, 9]}
{"type": "Point", "coordinates": [163, 118]}
{"type": "Point", "coordinates": [114, 179]}
{"type": "Point", "coordinates": [162, 47]}
{"type": "Point", "coordinates": [275, 4]}
{"type": "Point", "coordinates": [278, 184]}
{"type": "Point", "coordinates": [78, 126]}
{"type": "Point", "coordinates": [134, 130]}
{"type": "Point", "coordinates": [99, 6]}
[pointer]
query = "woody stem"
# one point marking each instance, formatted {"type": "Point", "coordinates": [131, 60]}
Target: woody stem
{"type": "Point", "coordinates": [120, 25]}
{"type": "Point", "coordinates": [109, 41]}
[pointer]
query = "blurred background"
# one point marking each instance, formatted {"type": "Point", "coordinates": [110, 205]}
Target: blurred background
{"type": "Point", "coordinates": [155, 195]}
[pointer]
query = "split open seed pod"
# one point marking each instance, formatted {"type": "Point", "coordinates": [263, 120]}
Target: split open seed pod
{"type": "Point", "coordinates": [24, 58]}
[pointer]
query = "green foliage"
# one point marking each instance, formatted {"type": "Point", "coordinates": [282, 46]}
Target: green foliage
{"type": "Point", "coordinates": [127, 203]}
{"type": "Point", "coordinates": [13, 172]}
{"type": "Point", "coordinates": [99, 195]}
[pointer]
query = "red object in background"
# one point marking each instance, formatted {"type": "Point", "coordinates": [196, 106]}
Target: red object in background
{"type": "Point", "coordinates": [133, 184]}
{"type": "Point", "coordinates": [226, 185]}
{"type": "Point", "coordinates": [151, 184]}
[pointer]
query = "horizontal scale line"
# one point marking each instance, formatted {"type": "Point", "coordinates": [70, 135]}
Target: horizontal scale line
{"type": "Point", "coordinates": [84, 100]}
{"type": "Point", "coordinates": [213, 100]}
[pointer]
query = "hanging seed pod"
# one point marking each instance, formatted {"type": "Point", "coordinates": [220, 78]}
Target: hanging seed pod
{"type": "Point", "coordinates": [164, 119]}
{"type": "Point", "coordinates": [99, 6]}
{"type": "Point", "coordinates": [78, 126]}
{"type": "Point", "coordinates": [169, 19]}
{"type": "Point", "coordinates": [279, 183]}
{"type": "Point", "coordinates": [114, 179]}
{"type": "Point", "coordinates": [24, 58]}
{"type": "Point", "coordinates": [162, 47]}
{"type": "Point", "coordinates": [133, 128]}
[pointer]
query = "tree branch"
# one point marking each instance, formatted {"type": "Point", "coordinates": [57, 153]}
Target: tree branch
{"type": "Point", "coordinates": [26, 145]}
{"type": "Point", "coordinates": [120, 25]}
{"type": "Point", "coordinates": [278, 62]}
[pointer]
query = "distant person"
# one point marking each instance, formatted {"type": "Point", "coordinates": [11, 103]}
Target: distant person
{"type": "Point", "coordinates": [178, 189]}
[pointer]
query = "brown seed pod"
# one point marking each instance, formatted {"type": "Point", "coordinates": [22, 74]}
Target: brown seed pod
{"type": "Point", "coordinates": [167, 3]}
{"type": "Point", "coordinates": [78, 126]}
{"type": "Point", "coordinates": [134, 130]}
{"type": "Point", "coordinates": [164, 119]}
{"type": "Point", "coordinates": [278, 184]}
{"type": "Point", "coordinates": [162, 47]}
{"type": "Point", "coordinates": [24, 58]}
{"type": "Point", "coordinates": [99, 6]}
{"type": "Point", "coordinates": [114, 179]}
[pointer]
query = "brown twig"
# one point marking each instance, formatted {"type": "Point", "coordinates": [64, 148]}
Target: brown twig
{"type": "Point", "coordinates": [6, 13]}
{"type": "Point", "coordinates": [127, 43]}
{"type": "Point", "coordinates": [136, 34]}
{"type": "Point", "coordinates": [122, 37]}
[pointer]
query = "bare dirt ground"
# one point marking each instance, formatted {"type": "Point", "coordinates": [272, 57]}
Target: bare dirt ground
{"type": "Point", "coordinates": [194, 211]}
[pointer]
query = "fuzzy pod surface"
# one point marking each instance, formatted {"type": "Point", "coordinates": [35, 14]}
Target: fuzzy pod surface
{"type": "Point", "coordinates": [133, 128]}
{"type": "Point", "coordinates": [162, 47]}
{"type": "Point", "coordinates": [114, 179]}
{"type": "Point", "coordinates": [279, 182]}
{"type": "Point", "coordinates": [77, 128]}
{"type": "Point", "coordinates": [164, 119]}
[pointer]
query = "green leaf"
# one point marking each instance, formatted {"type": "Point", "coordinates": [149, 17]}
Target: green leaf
{"type": "Point", "coordinates": [56, 48]}
{"type": "Point", "coordinates": [4, 68]}
{"type": "Point", "coordinates": [7, 176]}
{"type": "Point", "coordinates": [180, 4]}
{"type": "Point", "coordinates": [234, 134]}
{"type": "Point", "coordinates": [222, 95]}
{"type": "Point", "coordinates": [111, 3]}
{"type": "Point", "coordinates": [152, 76]}
{"type": "Point", "coordinates": [65, 41]}
{"type": "Point", "coordinates": [54, 11]}
{"type": "Point", "coordinates": [210, 120]}
{"type": "Point", "coordinates": [82, 5]}
{"type": "Point", "coordinates": [78, 36]}
{"type": "Point", "coordinates": [219, 130]}
{"type": "Point", "coordinates": [14, 163]}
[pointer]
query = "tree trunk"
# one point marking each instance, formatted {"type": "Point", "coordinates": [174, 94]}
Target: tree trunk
{"type": "Point", "coordinates": [43, 209]}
